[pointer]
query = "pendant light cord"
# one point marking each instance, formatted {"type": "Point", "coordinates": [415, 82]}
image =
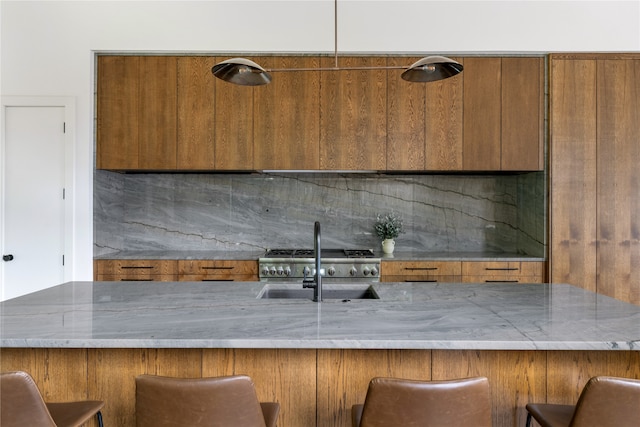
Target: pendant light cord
{"type": "Point", "coordinates": [335, 32]}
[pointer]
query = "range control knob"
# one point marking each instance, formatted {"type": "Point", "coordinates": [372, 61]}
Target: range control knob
{"type": "Point", "coordinates": [280, 271]}
{"type": "Point", "coordinates": [365, 271]}
{"type": "Point", "coordinates": [272, 271]}
{"type": "Point", "coordinates": [306, 271]}
{"type": "Point", "coordinates": [265, 271]}
{"type": "Point", "coordinates": [287, 271]}
{"type": "Point", "coordinates": [353, 271]}
{"type": "Point", "coordinates": [374, 271]}
{"type": "Point", "coordinates": [331, 271]}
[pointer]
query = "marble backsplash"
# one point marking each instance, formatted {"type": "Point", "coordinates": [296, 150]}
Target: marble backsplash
{"type": "Point", "coordinates": [239, 212]}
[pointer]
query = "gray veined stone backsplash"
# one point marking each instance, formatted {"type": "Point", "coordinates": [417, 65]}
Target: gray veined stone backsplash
{"type": "Point", "coordinates": [239, 212]}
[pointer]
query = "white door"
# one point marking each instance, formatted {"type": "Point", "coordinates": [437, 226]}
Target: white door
{"type": "Point", "coordinates": [33, 220]}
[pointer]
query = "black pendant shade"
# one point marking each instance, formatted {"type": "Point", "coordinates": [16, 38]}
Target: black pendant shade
{"type": "Point", "coordinates": [242, 72]}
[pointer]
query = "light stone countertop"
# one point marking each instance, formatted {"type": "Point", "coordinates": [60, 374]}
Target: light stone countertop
{"type": "Point", "coordinates": [407, 316]}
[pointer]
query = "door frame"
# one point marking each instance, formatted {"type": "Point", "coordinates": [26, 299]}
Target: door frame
{"type": "Point", "coordinates": [69, 105]}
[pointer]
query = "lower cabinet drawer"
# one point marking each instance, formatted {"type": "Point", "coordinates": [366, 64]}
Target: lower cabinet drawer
{"type": "Point", "coordinates": [503, 271]}
{"type": "Point", "coordinates": [420, 271]}
{"type": "Point", "coordinates": [216, 270]}
{"type": "Point", "coordinates": [129, 269]}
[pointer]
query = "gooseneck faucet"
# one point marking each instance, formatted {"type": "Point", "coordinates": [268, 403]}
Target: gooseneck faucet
{"type": "Point", "coordinates": [316, 283]}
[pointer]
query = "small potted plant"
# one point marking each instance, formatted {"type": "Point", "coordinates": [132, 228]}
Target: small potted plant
{"type": "Point", "coordinates": [388, 227]}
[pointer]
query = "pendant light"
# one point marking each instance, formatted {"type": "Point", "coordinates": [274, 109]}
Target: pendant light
{"type": "Point", "coordinates": [245, 72]}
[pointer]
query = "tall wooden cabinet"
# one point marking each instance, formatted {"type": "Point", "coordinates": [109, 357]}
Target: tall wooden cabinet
{"type": "Point", "coordinates": [594, 173]}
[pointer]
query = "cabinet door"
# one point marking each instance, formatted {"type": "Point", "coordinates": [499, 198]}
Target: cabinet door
{"type": "Point", "coordinates": [218, 270]}
{"type": "Point", "coordinates": [522, 142]}
{"type": "Point", "coordinates": [482, 114]}
{"type": "Point", "coordinates": [573, 172]}
{"type": "Point", "coordinates": [233, 125]}
{"type": "Point", "coordinates": [406, 116]}
{"type": "Point", "coordinates": [618, 179]}
{"type": "Point", "coordinates": [196, 99]}
{"type": "Point", "coordinates": [444, 124]}
{"type": "Point", "coordinates": [117, 112]}
{"type": "Point", "coordinates": [353, 115]}
{"type": "Point", "coordinates": [157, 132]}
{"type": "Point", "coordinates": [287, 116]}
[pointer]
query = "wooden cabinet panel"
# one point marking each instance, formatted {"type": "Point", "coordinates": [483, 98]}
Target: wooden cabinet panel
{"type": "Point", "coordinates": [157, 131]}
{"type": "Point", "coordinates": [573, 172]}
{"type": "Point", "coordinates": [135, 270]}
{"type": "Point", "coordinates": [287, 116]}
{"type": "Point", "coordinates": [406, 118]}
{"type": "Point", "coordinates": [421, 271]}
{"type": "Point", "coordinates": [482, 113]}
{"type": "Point", "coordinates": [353, 115]}
{"type": "Point", "coordinates": [195, 113]}
{"type": "Point", "coordinates": [503, 271]}
{"type": "Point", "coordinates": [117, 112]}
{"type": "Point", "coordinates": [233, 125]}
{"type": "Point", "coordinates": [522, 139]}
{"type": "Point", "coordinates": [618, 179]}
{"type": "Point", "coordinates": [444, 123]}
{"type": "Point", "coordinates": [220, 270]}
{"type": "Point", "coordinates": [137, 98]}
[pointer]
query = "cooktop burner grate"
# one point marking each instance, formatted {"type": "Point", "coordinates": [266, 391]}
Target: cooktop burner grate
{"type": "Point", "coordinates": [326, 253]}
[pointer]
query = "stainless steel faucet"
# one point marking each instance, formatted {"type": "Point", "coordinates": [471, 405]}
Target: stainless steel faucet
{"type": "Point", "coordinates": [316, 283]}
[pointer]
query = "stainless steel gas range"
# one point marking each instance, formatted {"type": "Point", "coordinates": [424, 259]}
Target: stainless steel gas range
{"type": "Point", "coordinates": [338, 265]}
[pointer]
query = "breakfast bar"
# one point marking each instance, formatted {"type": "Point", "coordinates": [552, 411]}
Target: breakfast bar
{"type": "Point", "coordinates": [535, 342]}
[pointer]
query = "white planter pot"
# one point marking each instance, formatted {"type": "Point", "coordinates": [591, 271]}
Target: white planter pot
{"type": "Point", "coordinates": [388, 245]}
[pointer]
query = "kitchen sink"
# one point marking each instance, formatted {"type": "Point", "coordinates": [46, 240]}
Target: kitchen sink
{"type": "Point", "coordinates": [334, 292]}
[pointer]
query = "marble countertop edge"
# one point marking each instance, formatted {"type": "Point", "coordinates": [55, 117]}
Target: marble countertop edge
{"type": "Point", "coordinates": [321, 344]}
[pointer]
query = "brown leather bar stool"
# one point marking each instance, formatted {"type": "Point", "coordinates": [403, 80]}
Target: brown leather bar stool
{"type": "Point", "coordinates": [393, 402]}
{"type": "Point", "coordinates": [213, 402]}
{"type": "Point", "coordinates": [21, 405]}
{"type": "Point", "coordinates": [604, 401]}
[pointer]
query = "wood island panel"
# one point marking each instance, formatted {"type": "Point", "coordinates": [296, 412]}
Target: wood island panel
{"type": "Point", "coordinates": [307, 382]}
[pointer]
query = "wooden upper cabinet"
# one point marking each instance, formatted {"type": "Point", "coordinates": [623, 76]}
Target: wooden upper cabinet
{"type": "Point", "coordinates": [170, 113]}
{"type": "Point", "coordinates": [353, 115]}
{"type": "Point", "coordinates": [233, 115]}
{"type": "Point", "coordinates": [522, 114]}
{"type": "Point", "coordinates": [196, 99]}
{"type": "Point", "coordinates": [117, 112]}
{"type": "Point", "coordinates": [482, 114]}
{"type": "Point", "coordinates": [137, 99]}
{"type": "Point", "coordinates": [503, 114]}
{"type": "Point", "coordinates": [157, 131]}
{"type": "Point", "coordinates": [444, 124]}
{"type": "Point", "coordinates": [287, 115]}
{"type": "Point", "coordinates": [406, 118]}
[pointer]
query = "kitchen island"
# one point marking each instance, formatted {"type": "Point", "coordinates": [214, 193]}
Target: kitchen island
{"type": "Point", "coordinates": [535, 342]}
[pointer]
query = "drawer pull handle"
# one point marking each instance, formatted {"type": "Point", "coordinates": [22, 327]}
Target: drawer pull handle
{"type": "Point", "coordinates": [502, 269]}
{"type": "Point", "coordinates": [422, 281]}
{"type": "Point", "coordinates": [217, 280]}
{"type": "Point", "coordinates": [129, 267]}
{"type": "Point", "coordinates": [421, 268]}
{"type": "Point", "coordinates": [124, 279]}
{"type": "Point", "coordinates": [501, 281]}
{"type": "Point", "coordinates": [217, 268]}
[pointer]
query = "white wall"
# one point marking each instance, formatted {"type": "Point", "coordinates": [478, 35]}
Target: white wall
{"type": "Point", "coordinates": [47, 47]}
